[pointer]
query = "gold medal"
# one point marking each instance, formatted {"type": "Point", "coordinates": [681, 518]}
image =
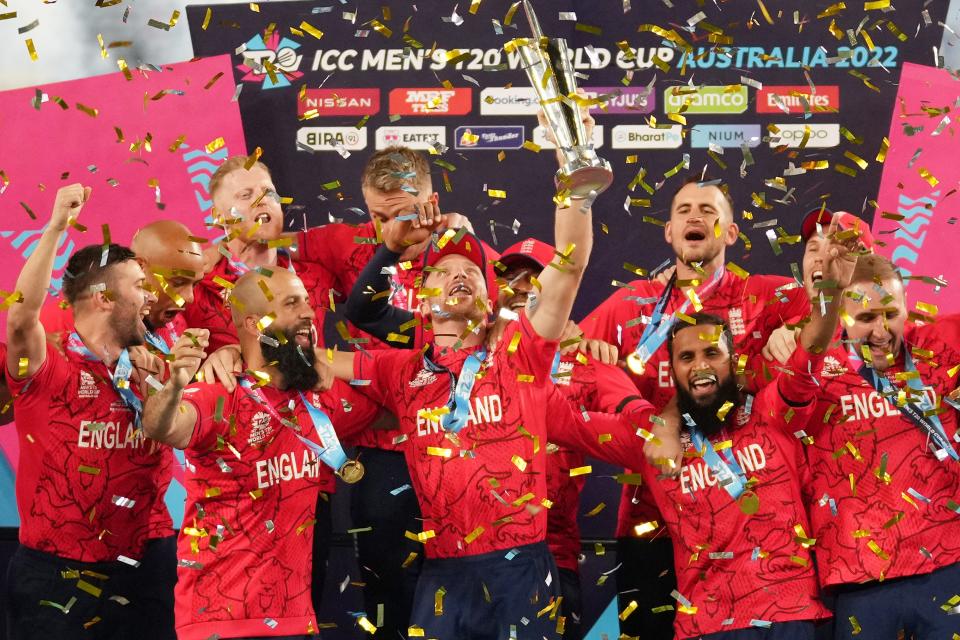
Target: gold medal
{"type": "Point", "coordinates": [351, 471]}
{"type": "Point", "coordinates": [749, 503]}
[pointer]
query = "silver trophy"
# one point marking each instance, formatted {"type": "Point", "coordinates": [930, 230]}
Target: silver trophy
{"type": "Point", "coordinates": [548, 67]}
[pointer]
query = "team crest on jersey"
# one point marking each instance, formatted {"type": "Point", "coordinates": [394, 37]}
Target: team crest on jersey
{"type": "Point", "coordinates": [832, 368]}
{"type": "Point", "coordinates": [424, 377]}
{"type": "Point", "coordinates": [260, 428]}
{"type": "Point", "coordinates": [735, 320]}
{"type": "Point", "coordinates": [88, 386]}
{"type": "Point", "coordinates": [564, 373]}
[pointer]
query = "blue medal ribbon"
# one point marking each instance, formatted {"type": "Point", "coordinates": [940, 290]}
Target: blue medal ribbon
{"type": "Point", "coordinates": [157, 341]}
{"type": "Point", "coordinates": [723, 464]}
{"type": "Point", "coordinates": [931, 424]}
{"type": "Point", "coordinates": [331, 453]}
{"type": "Point", "coordinates": [120, 376]}
{"type": "Point", "coordinates": [459, 401]}
{"type": "Point", "coordinates": [657, 330]}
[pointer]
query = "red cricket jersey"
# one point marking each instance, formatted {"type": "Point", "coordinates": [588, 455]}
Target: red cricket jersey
{"type": "Point", "coordinates": [752, 306]}
{"type": "Point", "coordinates": [209, 311]}
{"type": "Point", "coordinates": [245, 548]}
{"type": "Point", "coordinates": [589, 386]}
{"type": "Point", "coordinates": [880, 501]}
{"type": "Point", "coordinates": [90, 485]}
{"type": "Point", "coordinates": [343, 250]}
{"type": "Point", "coordinates": [483, 489]}
{"type": "Point", "coordinates": [733, 567]}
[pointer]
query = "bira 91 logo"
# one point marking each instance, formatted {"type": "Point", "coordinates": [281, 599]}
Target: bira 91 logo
{"type": "Point", "coordinates": [431, 101]}
{"type": "Point", "coordinates": [274, 61]}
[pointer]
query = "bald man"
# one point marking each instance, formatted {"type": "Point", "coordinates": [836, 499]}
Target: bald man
{"type": "Point", "coordinates": [172, 260]}
{"type": "Point", "coordinates": [257, 458]}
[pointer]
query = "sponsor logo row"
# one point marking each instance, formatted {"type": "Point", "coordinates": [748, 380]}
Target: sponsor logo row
{"type": "Point", "coordinates": [623, 136]}
{"type": "Point", "coordinates": [520, 101]}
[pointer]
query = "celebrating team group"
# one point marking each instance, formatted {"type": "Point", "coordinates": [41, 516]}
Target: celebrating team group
{"type": "Point", "coordinates": [790, 450]}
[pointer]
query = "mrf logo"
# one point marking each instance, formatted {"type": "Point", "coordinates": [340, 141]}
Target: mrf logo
{"type": "Point", "coordinates": [273, 62]}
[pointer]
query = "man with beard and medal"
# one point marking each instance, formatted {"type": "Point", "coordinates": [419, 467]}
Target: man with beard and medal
{"type": "Point", "coordinates": [637, 318]}
{"type": "Point", "coordinates": [95, 537]}
{"type": "Point", "coordinates": [256, 458]}
{"type": "Point", "coordinates": [736, 513]}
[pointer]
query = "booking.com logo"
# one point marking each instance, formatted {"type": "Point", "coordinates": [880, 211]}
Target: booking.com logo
{"type": "Point", "coordinates": [260, 55]}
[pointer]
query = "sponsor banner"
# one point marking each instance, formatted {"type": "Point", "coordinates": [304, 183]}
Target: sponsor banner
{"type": "Point", "coordinates": [724, 135]}
{"type": "Point", "coordinates": [641, 136]}
{"type": "Point", "coordinates": [623, 99]}
{"type": "Point", "coordinates": [431, 101]}
{"type": "Point", "coordinates": [540, 137]}
{"type": "Point", "coordinates": [332, 138]}
{"type": "Point", "coordinates": [798, 99]}
{"type": "Point", "coordinates": [523, 101]}
{"type": "Point", "coordinates": [489, 137]}
{"type": "Point", "coordinates": [511, 101]}
{"type": "Point", "coordinates": [339, 102]}
{"type": "Point", "coordinates": [791, 135]}
{"type": "Point", "coordinates": [706, 99]}
{"type": "Point", "coordinates": [420, 138]}
{"type": "Point", "coordinates": [914, 216]}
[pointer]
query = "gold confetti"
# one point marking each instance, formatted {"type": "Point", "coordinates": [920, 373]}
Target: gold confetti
{"type": "Point", "coordinates": [929, 177]}
{"type": "Point", "coordinates": [646, 527]}
{"type": "Point", "coordinates": [579, 471]}
{"type": "Point", "coordinates": [206, 19]}
{"type": "Point", "coordinates": [313, 31]}
{"type": "Point", "coordinates": [215, 144]}
{"type": "Point", "coordinates": [597, 509]}
{"type": "Point", "coordinates": [473, 535]}
{"type": "Point", "coordinates": [90, 111]}
{"type": "Point", "coordinates": [438, 601]}
{"type": "Point", "coordinates": [32, 50]}
{"type": "Point", "coordinates": [519, 462]}
{"type": "Point", "coordinates": [855, 626]}
{"type": "Point", "coordinates": [440, 451]}
{"type": "Point", "coordinates": [627, 610]}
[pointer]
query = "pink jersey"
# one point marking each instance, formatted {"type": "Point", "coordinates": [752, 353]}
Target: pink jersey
{"type": "Point", "coordinates": [753, 307]}
{"type": "Point", "coordinates": [245, 547]}
{"type": "Point", "coordinates": [881, 504]}
{"type": "Point", "coordinates": [90, 485]}
{"type": "Point", "coordinates": [592, 386]}
{"type": "Point", "coordinates": [734, 568]}
{"type": "Point", "coordinates": [208, 309]}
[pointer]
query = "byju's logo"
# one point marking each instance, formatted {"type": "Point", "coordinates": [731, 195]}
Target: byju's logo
{"type": "Point", "coordinates": [274, 62]}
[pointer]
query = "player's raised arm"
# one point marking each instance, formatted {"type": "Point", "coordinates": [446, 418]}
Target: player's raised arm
{"type": "Point", "coordinates": [166, 417]}
{"type": "Point", "coordinates": [26, 344]}
{"type": "Point", "coordinates": [560, 281]}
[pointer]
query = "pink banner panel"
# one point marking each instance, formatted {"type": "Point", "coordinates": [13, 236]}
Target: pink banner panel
{"type": "Point", "coordinates": [918, 201]}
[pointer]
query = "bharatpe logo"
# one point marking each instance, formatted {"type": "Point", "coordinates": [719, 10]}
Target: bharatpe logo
{"type": "Point", "coordinates": [277, 55]}
{"type": "Point", "coordinates": [706, 99]}
{"type": "Point", "coordinates": [489, 137]}
{"type": "Point", "coordinates": [641, 136]}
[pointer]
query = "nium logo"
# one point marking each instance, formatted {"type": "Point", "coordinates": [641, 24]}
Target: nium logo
{"type": "Point", "coordinates": [513, 101]}
{"type": "Point", "coordinates": [798, 99]}
{"type": "Point", "coordinates": [724, 135]}
{"type": "Point", "coordinates": [332, 138]}
{"type": "Point", "coordinates": [489, 137]}
{"type": "Point", "coordinates": [431, 101]}
{"type": "Point", "coordinates": [273, 62]}
{"type": "Point", "coordinates": [706, 99]}
{"type": "Point", "coordinates": [339, 102]}
{"type": "Point", "coordinates": [420, 138]}
{"type": "Point", "coordinates": [540, 137]}
{"type": "Point", "coordinates": [791, 135]}
{"type": "Point", "coordinates": [640, 136]}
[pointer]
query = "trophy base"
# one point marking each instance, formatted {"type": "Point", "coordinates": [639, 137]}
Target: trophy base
{"type": "Point", "coordinates": [581, 180]}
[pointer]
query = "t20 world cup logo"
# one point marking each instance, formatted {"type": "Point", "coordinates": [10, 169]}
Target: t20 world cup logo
{"type": "Point", "coordinates": [273, 61]}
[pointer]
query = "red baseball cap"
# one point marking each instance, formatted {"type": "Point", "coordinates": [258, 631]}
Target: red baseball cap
{"type": "Point", "coordinates": [845, 220]}
{"type": "Point", "coordinates": [462, 242]}
{"type": "Point", "coordinates": [530, 250]}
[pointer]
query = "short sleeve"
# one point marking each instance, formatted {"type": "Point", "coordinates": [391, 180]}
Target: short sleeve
{"type": "Point", "coordinates": [53, 373]}
{"type": "Point", "coordinates": [351, 411]}
{"type": "Point", "coordinates": [214, 406]}
{"type": "Point", "coordinates": [377, 374]}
